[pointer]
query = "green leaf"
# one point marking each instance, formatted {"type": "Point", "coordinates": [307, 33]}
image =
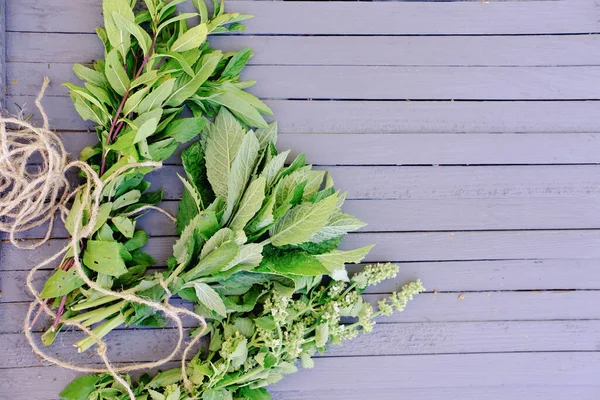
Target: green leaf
{"type": "Point", "coordinates": [191, 39]}
{"type": "Point", "coordinates": [80, 388]}
{"type": "Point", "coordinates": [133, 102]}
{"type": "Point", "coordinates": [195, 196]}
{"type": "Point", "coordinates": [124, 24]}
{"type": "Point", "coordinates": [300, 223]}
{"type": "Point", "coordinates": [61, 283]}
{"type": "Point", "coordinates": [184, 246]}
{"type": "Point", "coordinates": [225, 137]}
{"type": "Point", "coordinates": [221, 394]}
{"type": "Point", "coordinates": [250, 204]}
{"type": "Point", "coordinates": [245, 326]}
{"type": "Point", "coordinates": [335, 260]}
{"type": "Point", "coordinates": [338, 225]}
{"type": "Point", "coordinates": [176, 18]}
{"type": "Point", "coordinates": [267, 323]}
{"type": "Point", "coordinates": [217, 240]}
{"type": "Point", "coordinates": [147, 79]}
{"type": "Point", "coordinates": [186, 87]}
{"type": "Point", "coordinates": [322, 334]}
{"type": "Point", "coordinates": [124, 225]}
{"type": "Point", "coordinates": [240, 354]}
{"type": "Point", "coordinates": [89, 75]}
{"type": "Point", "coordinates": [254, 394]}
{"type": "Point", "coordinates": [119, 39]}
{"type": "Point", "coordinates": [241, 170]}
{"type": "Point", "coordinates": [195, 168]}
{"type": "Point", "coordinates": [116, 75]}
{"type": "Point", "coordinates": [158, 96]}
{"type": "Point", "coordinates": [105, 257]}
{"type": "Point", "coordinates": [88, 111]}
{"type": "Point", "coordinates": [128, 198]}
{"type": "Point", "coordinates": [237, 63]}
{"type": "Point", "coordinates": [183, 63]}
{"type": "Point", "coordinates": [249, 257]}
{"type": "Point", "coordinates": [202, 9]}
{"type": "Point", "coordinates": [208, 297]}
{"type": "Point", "coordinates": [294, 262]}
{"type": "Point", "coordinates": [138, 240]}
{"type": "Point", "coordinates": [214, 262]}
{"type": "Point", "coordinates": [146, 130]}
{"type": "Point", "coordinates": [241, 108]}
{"type": "Point", "coordinates": [273, 168]}
{"type": "Point", "coordinates": [185, 129]}
{"type": "Point", "coordinates": [163, 149]}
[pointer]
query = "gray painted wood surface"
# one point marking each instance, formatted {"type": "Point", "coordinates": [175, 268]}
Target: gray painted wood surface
{"type": "Point", "coordinates": [485, 184]}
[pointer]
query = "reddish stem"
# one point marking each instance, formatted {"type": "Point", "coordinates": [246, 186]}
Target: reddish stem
{"type": "Point", "coordinates": [59, 313]}
{"type": "Point", "coordinates": [114, 129]}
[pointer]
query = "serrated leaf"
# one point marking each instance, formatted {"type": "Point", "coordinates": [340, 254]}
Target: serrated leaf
{"type": "Point", "coordinates": [191, 39]}
{"type": "Point", "coordinates": [272, 169]}
{"type": "Point", "coordinates": [250, 204]}
{"type": "Point", "coordinates": [193, 194]}
{"type": "Point", "coordinates": [217, 240]}
{"type": "Point", "coordinates": [214, 262]}
{"type": "Point", "coordinates": [116, 75]}
{"type": "Point", "coordinates": [208, 297]}
{"type": "Point", "coordinates": [240, 354]}
{"type": "Point", "coordinates": [241, 170]}
{"type": "Point", "coordinates": [225, 137]}
{"type": "Point", "coordinates": [138, 240]}
{"type": "Point", "coordinates": [184, 246]}
{"type": "Point", "coordinates": [264, 218]}
{"type": "Point", "coordinates": [291, 262]}
{"type": "Point", "coordinates": [267, 135]}
{"type": "Point", "coordinates": [124, 24]}
{"type": "Point", "coordinates": [157, 97]}
{"type": "Point", "coordinates": [300, 223]}
{"type": "Point", "coordinates": [249, 256]}
{"type": "Point", "coordinates": [339, 225]}
{"type": "Point", "coordinates": [105, 257]}
{"type": "Point", "coordinates": [335, 260]}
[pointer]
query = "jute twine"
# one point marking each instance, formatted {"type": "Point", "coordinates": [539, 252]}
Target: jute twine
{"type": "Point", "coordinates": [32, 199]}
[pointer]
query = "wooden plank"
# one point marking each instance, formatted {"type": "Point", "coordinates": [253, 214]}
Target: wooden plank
{"type": "Point", "coordinates": [442, 307]}
{"type": "Point", "coordinates": [425, 215]}
{"type": "Point", "coordinates": [373, 82]}
{"type": "Point", "coordinates": [385, 340]}
{"type": "Point", "coordinates": [333, 377]}
{"type": "Point", "coordinates": [416, 149]}
{"type": "Point", "coordinates": [398, 247]}
{"type": "Point", "coordinates": [457, 276]}
{"type": "Point", "coordinates": [299, 116]}
{"type": "Point", "coordinates": [385, 18]}
{"type": "Point", "coordinates": [327, 50]}
{"type": "Point", "coordinates": [444, 182]}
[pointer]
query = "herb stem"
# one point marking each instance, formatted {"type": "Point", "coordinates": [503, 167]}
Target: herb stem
{"type": "Point", "coordinates": [102, 330]}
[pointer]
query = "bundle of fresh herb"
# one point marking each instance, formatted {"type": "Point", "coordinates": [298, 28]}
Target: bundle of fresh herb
{"type": "Point", "coordinates": [155, 67]}
{"type": "Point", "coordinates": [258, 256]}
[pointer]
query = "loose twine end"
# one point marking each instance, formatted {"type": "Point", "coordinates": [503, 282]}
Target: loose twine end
{"type": "Point", "coordinates": [30, 200]}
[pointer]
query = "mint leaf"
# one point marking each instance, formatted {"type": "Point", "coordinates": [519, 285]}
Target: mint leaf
{"type": "Point", "coordinates": [300, 223]}
{"type": "Point", "coordinates": [208, 297]}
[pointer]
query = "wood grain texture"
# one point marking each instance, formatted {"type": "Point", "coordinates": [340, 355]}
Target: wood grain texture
{"type": "Point", "coordinates": [335, 50]}
{"type": "Point", "coordinates": [444, 307]}
{"type": "Point", "coordinates": [452, 276]}
{"type": "Point", "coordinates": [444, 182]}
{"type": "Point", "coordinates": [338, 375]}
{"type": "Point", "coordinates": [386, 340]}
{"type": "Point", "coordinates": [425, 215]}
{"type": "Point", "coordinates": [399, 247]}
{"type": "Point", "coordinates": [373, 82]}
{"type": "Point", "coordinates": [384, 18]}
{"type": "Point", "coordinates": [415, 149]}
{"type": "Point", "coordinates": [302, 116]}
